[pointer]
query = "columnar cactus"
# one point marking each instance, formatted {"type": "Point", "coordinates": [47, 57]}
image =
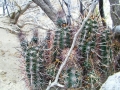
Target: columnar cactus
{"type": "Point", "coordinates": [89, 64]}
{"type": "Point", "coordinates": [71, 78]}
{"type": "Point", "coordinates": [62, 40]}
{"type": "Point", "coordinates": [94, 51]}
{"type": "Point", "coordinates": [33, 54]}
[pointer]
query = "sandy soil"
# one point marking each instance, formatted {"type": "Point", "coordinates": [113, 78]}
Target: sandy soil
{"type": "Point", "coordinates": [11, 75]}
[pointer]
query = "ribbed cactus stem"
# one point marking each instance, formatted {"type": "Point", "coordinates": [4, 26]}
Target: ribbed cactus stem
{"type": "Point", "coordinates": [71, 79]}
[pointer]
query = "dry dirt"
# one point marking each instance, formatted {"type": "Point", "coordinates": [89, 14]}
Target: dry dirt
{"type": "Point", "coordinates": [11, 73]}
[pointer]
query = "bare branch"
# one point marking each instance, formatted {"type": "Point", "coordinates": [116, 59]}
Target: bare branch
{"type": "Point", "coordinates": [49, 4]}
{"type": "Point", "coordinates": [114, 7]}
{"type": "Point", "coordinates": [117, 16]}
{"type": "Point", "coordinates": [47, 8]}
{"type": "Point", "coordinates": [10, 30]}
{"type": "Point", "coordinates": [55, 82]}
{"type": "Point", "coordinates": [15, 16]}
{"type": "Point", "coordinates": [36, 25]}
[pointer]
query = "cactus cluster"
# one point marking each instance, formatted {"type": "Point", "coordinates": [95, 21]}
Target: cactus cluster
{"type": "Point", "coordinates": [89, 64]}
{"type": "Point", "coordinates": [95, 53]}
{"type": "Point", "coordinates": [35, 65]}
{"type": "Point", "coordinates": [87, 38]}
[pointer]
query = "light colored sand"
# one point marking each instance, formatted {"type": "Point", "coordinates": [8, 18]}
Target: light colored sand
{"type": "Point", "coordinates": [11, 77]}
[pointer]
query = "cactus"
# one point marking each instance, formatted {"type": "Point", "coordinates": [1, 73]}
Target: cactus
{"type": "Point", "coordinates": [33, 55]}
{"type": "Point", "coordinates": [87, 65]}
{"type": "Point", "coordinates": [34, 65]}
{"type": "Point", "coordinates": [93, 47]}
{"type": "Point", "coordinates": [71, 78]}
{"type": "Point", "coordinates": [62, 40]}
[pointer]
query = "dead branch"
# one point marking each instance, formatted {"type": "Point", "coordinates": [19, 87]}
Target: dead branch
{"type": "Point", "coordinates": [9, 30]}
{"type": "Point", "coordinates": [36, 25]}
{"type": "Point", "coordinates": [15, 16]}
{"type": "Point", "coordinates": [116, 15]}
{"type": "Point", "coordinates": [14, 31]}
{"type": "Point", "coordinates": [47, 8]}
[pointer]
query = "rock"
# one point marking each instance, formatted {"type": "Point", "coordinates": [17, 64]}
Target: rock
{"type": "Point", "coordinates": [112, 83]}
{"type": "Point", "coordinates": [116, 29]}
